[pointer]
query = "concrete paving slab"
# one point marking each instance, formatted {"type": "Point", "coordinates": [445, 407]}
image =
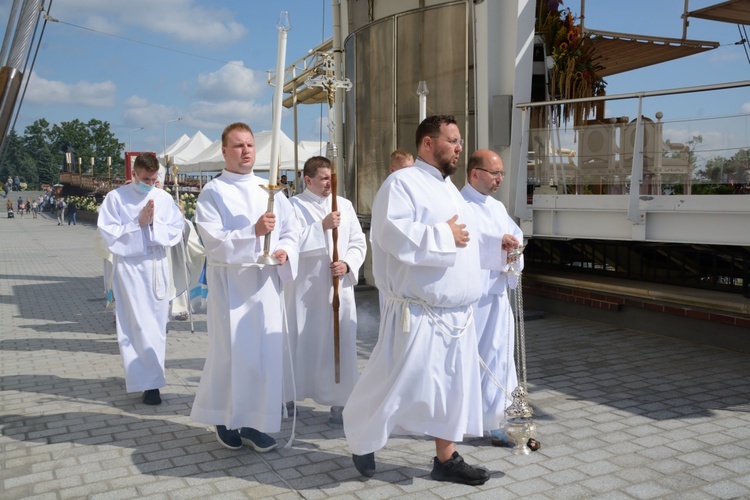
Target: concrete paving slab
{"type": "Point", "coordinates": [620, 413]}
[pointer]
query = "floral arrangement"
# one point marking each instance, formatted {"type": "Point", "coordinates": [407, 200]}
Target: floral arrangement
{"type": "Point", "coordinates": [84, 203]}
{"type": "Point", "coordinates": [89, 203]}
{"type": "Point", "coordinates": [575, 71]}
{"type": "Point", "coordinates": [189, 199]}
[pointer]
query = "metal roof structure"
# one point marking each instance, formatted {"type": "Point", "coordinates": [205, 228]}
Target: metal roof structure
{"type": "Point", "coordinates": [621, 52]}
{"type": "Point", "coordinates": [731, 11]}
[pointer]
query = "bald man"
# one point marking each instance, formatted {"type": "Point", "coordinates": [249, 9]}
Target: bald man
{"type": "Point", "coordinates": [498, 234]}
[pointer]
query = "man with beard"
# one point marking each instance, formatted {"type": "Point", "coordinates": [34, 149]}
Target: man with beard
{"type": "Point", "coordinates": [497, 234]}
{"type": "Point", "coordinates": [423, 376]}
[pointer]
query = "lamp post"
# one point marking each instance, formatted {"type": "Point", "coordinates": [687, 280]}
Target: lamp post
{"type": "Point", "coordinates": [130, 141]}
{"type": "Point", "coordinates": [165, 133]}
{"type": "Point", "coordinates": [422, 92]}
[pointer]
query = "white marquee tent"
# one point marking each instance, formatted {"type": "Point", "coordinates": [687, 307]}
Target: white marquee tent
{"type": "Point", "coordinates": [210, 159]}
{"type": "Point", "coordinates": [190, 149]}
{"type": "Point", "coordinates": [175, 146]}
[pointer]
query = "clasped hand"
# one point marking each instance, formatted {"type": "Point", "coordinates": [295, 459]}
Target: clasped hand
{"type": "Point", "coordinates": [147, 214]}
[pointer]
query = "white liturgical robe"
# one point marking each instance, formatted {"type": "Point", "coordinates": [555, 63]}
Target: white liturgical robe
{"type": "Point", "coordinates": [141, 279]}
{"type": "Point", "coordinates": [241, 384]}
{"type": "Point", "coordinates": [423, 376]}
{"type": "Point", "coordinates": [492, 314]}
{"type": "Point", "coordinates": [310, 297]}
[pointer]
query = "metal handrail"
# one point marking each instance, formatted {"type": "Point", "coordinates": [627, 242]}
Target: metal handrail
{"type": "Point", "coordinates": [634, 95]}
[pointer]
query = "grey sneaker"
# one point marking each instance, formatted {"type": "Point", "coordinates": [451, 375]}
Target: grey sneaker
{"type": "Point", "coordinates": [337, 415]}
{"type": "Point", "coordinates": [259, 441]}
{"type": "Point", "coordinates": [456, 470]}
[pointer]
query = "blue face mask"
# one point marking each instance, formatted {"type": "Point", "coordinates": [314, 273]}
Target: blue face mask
{"type": "Point", "coordinates": [142, 187]}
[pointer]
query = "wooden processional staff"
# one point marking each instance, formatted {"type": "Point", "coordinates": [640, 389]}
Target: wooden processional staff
{"type": "Point", "coordinates": [331, 84]}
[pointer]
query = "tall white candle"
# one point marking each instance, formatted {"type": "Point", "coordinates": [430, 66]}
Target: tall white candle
{"type": "Point", "coordinates": [283, 26]}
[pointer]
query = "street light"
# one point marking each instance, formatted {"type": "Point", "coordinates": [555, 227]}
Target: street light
{"type": "Point", "coordinates": [130, 143]}
{"type": "Point", "coordinates": [165, 133]}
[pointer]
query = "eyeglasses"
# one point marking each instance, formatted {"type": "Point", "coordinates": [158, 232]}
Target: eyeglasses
{"type": "Point", "coordinates": [454, 142]}
{"type": "Point", "coordinates": [498, 174]}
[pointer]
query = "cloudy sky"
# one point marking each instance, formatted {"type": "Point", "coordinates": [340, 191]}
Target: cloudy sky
{"type": "Point", "coordinates": [141, 63]}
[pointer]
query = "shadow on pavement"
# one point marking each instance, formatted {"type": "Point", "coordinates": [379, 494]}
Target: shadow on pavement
{"type": "Point", "coordinates": [165, 448]}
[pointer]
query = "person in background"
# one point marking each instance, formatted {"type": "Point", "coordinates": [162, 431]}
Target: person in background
{"type": "Point", "coordinates": [401, 158]}
{"type": "Point", "coordinates": [284, 185]}
{"type": "Point", "coordinates": [72, 210]}
{"type": "Point", "coordinates": [60, 211]}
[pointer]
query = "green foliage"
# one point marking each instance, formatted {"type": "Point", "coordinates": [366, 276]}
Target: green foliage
{"type": "Point", "coordinates": [16, 161]}
{"type": "Point", "coordinates": [733, 170]}
{"type": "Point", "coordinates": [36, 143]}
{"type": "Point", "coordinates": [39, 155]}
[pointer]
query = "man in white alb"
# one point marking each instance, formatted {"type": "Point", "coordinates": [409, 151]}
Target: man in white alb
{"type": "Point", "coordinates": [138, 224]}
{"type": "Point", "coordinates": [423, 376]}
{"type": "Point", "coordinates": [240, 391]}
{"type": "Point", "coordinates": [497, 234]}
{"type": "Point", "coordinates": [309, 299]}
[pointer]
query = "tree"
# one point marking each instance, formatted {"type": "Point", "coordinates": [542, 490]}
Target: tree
{"type": "Point", "coordinates": [104, 145]}
{"type": "Point", "coordinates": [16, 161]}
{"type": "Point", "coordinates": [734, 170]}
{"type": "Point", "coordinates": [36, 141]}
{"type": "Point", "coordinates": [92, 139]}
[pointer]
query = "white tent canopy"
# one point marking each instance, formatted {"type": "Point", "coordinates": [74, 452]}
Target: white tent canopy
{"type": "Point", "coordinates": [175, 146]}
{"type": "Point", "coordinates": [193, 147]}
{"type": "Point", "coordinates": [212, 160]}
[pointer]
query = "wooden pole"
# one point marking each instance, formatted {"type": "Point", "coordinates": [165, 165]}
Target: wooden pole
{"type": "Point", "coordinates": [336, 301]}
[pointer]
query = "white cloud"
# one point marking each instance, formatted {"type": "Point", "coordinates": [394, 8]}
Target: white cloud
{"type": "Point", "coordinates": [207, 115]}
{"type": "Point", "coordinates": [82, 93]}
{"type": "Point", "coordinates": [140, 112]}
{"type": "Point", "coordinates": [745, 108]}
{"type": "Point", "coordinates": [231, 81]}
{"type": "Point", "coordinates": [183, 20]}
{"type": "Point", "coordinates": [201, 115]}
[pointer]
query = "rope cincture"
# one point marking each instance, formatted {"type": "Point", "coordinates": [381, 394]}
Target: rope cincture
{"type": "Point", "coordinates": [439, 321]}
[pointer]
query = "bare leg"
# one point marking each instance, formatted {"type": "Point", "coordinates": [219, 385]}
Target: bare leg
{"type": "Point", "coordinates": [444, 449]}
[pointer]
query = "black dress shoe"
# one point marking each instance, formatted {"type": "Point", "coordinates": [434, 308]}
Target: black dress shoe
{"type": "Point", "coordinates": [151, 397]}
{"type": "Point", "coordinates": [365, 464]}
{"type": "Point", "coordinates": [456, 470]}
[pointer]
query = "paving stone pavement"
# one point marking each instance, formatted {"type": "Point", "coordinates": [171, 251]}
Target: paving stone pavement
{"type": "Point", "coordinates": [621, 414]}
